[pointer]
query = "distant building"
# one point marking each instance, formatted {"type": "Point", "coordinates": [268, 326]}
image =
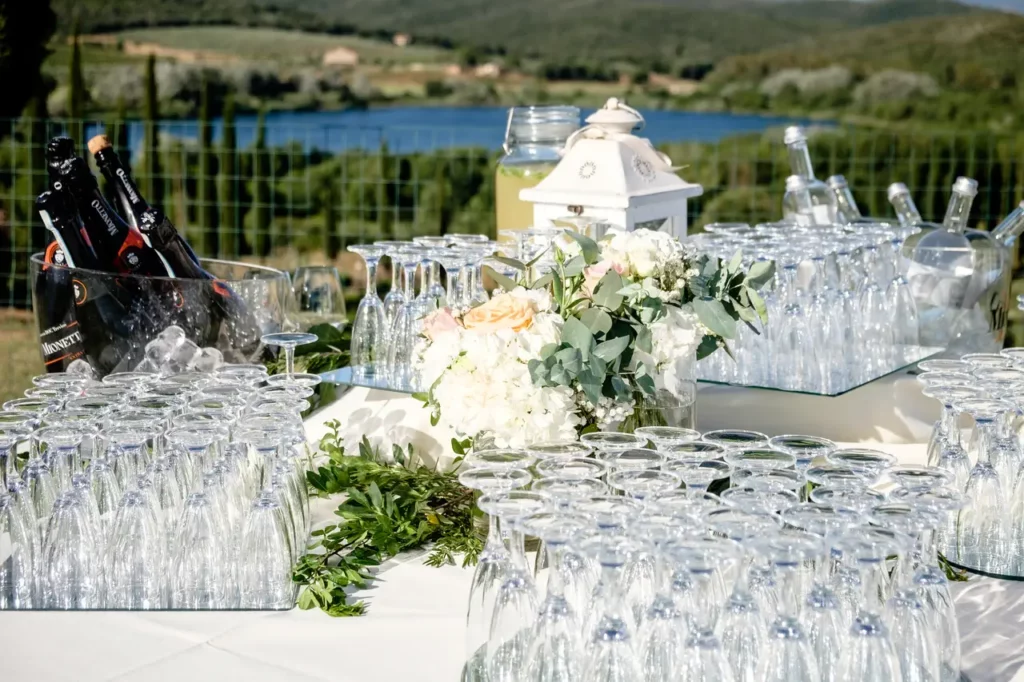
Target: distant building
{"type": "Point", "coordinates": [401, 39]}
{"type": "Point", "coordinates": [489, 70]}
{"type": "Point", "coordinates": [453, 70]}
{"type": "Point", "coordinates": [341, 56]}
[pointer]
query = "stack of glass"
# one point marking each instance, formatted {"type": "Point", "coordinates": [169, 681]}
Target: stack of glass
{"type": "Point", "coordinates": [983, 460]}
{"type": "Point", "coordinates": [385, 333]}
{"type": "Point", "coordinates": [798, 570]}
{"type": "Point", "coordinates": [840, 312]}
{"type": "Point", "coordinates": [154, 492]}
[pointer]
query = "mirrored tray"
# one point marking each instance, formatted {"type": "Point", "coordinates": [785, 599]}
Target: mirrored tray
{"type": "Point", "coordinates": [964, 563]}
{"type": "Point", "coordinates": [911, 356]}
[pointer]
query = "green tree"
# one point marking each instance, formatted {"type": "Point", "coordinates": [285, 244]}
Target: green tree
{"type": "Point", "coordinates": [332, 240]}
{"type": "Point", "coordinates": [208, 218]}
{"type": "Point", "coordinates": [35, 116]}
{"type": "Point", "coordinates": [77, 93]}
{"type": "Point", "coordinates": [230, 213]}
{"type": "Point", "coordinates": [25, 30]}
{"type": "Point", "coordinates": [152, 183]}
{"type": "Point", "coordinates": [261, 190]}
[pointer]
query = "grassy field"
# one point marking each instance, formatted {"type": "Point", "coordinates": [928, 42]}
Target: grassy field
{"type": "Point", "coordinates": [282, 46]}
{"type": "Point", "coordinates": [19, 352]}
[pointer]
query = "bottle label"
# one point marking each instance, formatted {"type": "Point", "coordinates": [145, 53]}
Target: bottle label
{"type": "Point", "coordinates": [102, 213]}
{"type": "Point", "coordinates": [129, 188]}
{"type": "Point", "coordinates": [61, 343]}
{"type": "Point", "coordinates": [80, 291]}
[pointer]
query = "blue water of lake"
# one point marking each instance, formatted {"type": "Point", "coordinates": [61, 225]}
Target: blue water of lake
{"type": "Point", "coordinates": [416, 129]}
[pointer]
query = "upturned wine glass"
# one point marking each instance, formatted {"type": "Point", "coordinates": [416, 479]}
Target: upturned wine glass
{"type": "Point", "coordinates": [515, 605]}
{"type": "Point", "coordinates": [133, 563]}
{"type": "Point", "coordinates": [868, 654]}
{"type": "Point", "coordinates": [698, 474]}
{"type": "Point", "coordinates": [759, 458]}
{"type": "Point", "coordinates": [559, 450]}
{"type": "Point", "coordinates": [733, 439]}
{"type": "Point", "coordinates": [789, 652]}
{"type": "Point", "coordinates": [289, 341]}
{"type": "Point", "coordinates": [555, 648]}
{"type": "Point", "coordinates": [609, 655]}
{"type": "Point", "coordinates": [571, 467]}
{"type": "Point", "coordinates": [370, 328]}
{"type": "Point", "coordinates": [804, 448]}
{"type": "Point", "coordinates": [18, 570]}
{"type": "Point", "coordinates": [72, 563]}
{"type": "Point", "coordinates": [666, 436]}
{"type": "Point", "coordinates": [495, 559]}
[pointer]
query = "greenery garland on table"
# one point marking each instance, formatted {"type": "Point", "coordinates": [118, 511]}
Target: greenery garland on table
{"type": "Point", "coordinates": [389, 507]}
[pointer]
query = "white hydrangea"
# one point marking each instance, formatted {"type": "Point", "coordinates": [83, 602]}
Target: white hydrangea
{"type": "Point", "coordinates": [674, 335]}
{"type": "Point", "coordinates": [483, 384]}
{"type": "Point", "coordinates": [642, 253]}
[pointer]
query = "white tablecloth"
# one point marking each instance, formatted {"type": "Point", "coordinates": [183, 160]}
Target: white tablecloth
{"type": "Point", "coordinates": [418, 612]}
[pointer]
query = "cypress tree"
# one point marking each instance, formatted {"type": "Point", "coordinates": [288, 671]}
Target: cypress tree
{"type": "Point", "coordinates": [76, 92]}
{"type": "Point", "coordinates": [261, 190]}
{"type": "Point", "coordinates": [208, 217]}
{"type": "Point", "coordinates": [332, 241]}
{"type": "Point", "coordinates": [231, 234]}
{"type": "Point", "coordinates": [35, 114]}
{"type": "Point", "coordinates": [152, 183]}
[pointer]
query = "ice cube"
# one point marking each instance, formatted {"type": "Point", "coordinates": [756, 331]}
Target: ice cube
{"type": "Point", "coordinates": [208, 360]}
{"type": "Point", "coordinates": [159, 350]}
{"type": "Point", "coordinates": [183, 356]}
{"type": "Point", "coordinates": [81, 367]}
{"type": "Point", "coordinates": [146, 365]}
{"type": "Point", "coordinates": [173, 335]}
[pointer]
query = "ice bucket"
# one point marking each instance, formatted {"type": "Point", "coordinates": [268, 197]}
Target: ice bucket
{"type": "Point", "coordinates": [107, 319]}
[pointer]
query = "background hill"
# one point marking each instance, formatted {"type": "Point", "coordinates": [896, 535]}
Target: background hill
{"type": "Point", "coordinates": [673, 31]}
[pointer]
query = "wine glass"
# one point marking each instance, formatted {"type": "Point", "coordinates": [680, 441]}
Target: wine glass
{"type": "Point", "coordinates": [571, 467]}
{"type": "Point", "coordinates": [666, 436]}
{"type": "Point", "coordinates": [495, 559]}
{"type": "Point", "coordinates": [759, 458]}
{"type": "Point", "coordinates": [319, 296]}
{"type": "Point", "coordinates": [732, 439]}
{"type": "Point", "coordinates": [289, 341]}
{"type": "Point", "coordinates": [868, 653]}
{"type": "Point", "coordinates": [697, 474]}
{"type": "Point", "coordinates": [433, 288]}
{"type": "Point", "coordinates": [395, 297]}
{"type": "Point", "coordinates": [804, 448]}
{"type": "Point", "coordinates": [515, 606]}
{"type": "Point", "coordinates": [453, 261]}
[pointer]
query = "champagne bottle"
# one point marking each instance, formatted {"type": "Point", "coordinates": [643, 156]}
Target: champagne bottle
{"type": "Point", "coordinates": [903, 204]}
{"type": "Point", "coordinates": [150, 221]}
{"type": "Point", "coordinates": [822, 200]}
{"type": "Point", "coordinates": [67, 230]}
{"type": "Point", "coordinates": [1006, 232]}
{"type": "Point", "coordinates": [964, 191]}
{"type": "Point", "coordinates": [119, 247]}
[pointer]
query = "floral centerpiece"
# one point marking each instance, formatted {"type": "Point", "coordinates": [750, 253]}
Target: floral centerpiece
{"type": "Point", "coordinates": [609, 327]}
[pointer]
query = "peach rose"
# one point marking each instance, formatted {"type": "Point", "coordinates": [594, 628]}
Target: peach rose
{"type": "Point", "coordinates": [439, 322]}
{"type": "Point", "coordinates": [593, 274]}
{"type": "Point", "coordinates": [501, 312]}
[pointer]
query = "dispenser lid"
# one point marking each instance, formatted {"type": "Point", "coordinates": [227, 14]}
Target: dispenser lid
{"type": "Point", "coordinates": [616, 116]}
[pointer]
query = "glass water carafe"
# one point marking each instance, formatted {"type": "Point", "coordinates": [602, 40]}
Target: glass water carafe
{"type": "Point", "coordinates": [534, 140]}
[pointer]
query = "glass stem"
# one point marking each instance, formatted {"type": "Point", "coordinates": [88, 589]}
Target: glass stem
{"type": "Point", "coordinates": [948, 424]}
{"type": "Point", "coordinates": [556, 581]}
{"type": "Point", "coordinates": [494, 544]}
{"type": "Point", "coordinates": [454, 274]}
{"type": "Point", "coordinates": [410, 280]}
{"type": "Point", "coordinates": [396, 276]}
{"type": "Point", "coordinates": [371, 277]}
{"type": "Point", "coordinates": [869, 578]}
{"type": "Point", "coordinates": [433, 274]}
{"type": "Point", "coordinates": [289, 359]}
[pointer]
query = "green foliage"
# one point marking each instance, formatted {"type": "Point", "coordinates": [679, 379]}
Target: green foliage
{"type": "Point", "coordinates": [152, 183]}
{"type": "Point", "coordinates": [207, 199]}
{"type": "Point", "coordinates": [25, 30]}
{"type": "Point", "coordinates": [77, 92]}
{"type": "Point", "coordinates": [261, 189]}
{"type": "Point", "coordinates": [388, 508]}
{"type": "Point", "coordinates": [230, 211]}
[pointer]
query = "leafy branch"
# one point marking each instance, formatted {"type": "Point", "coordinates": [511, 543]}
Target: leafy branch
{"type": "Point", "coordinates": [388, 508]}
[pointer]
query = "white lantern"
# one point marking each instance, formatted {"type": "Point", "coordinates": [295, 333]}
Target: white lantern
{"type": "Point", "coordinates": [611, 175]}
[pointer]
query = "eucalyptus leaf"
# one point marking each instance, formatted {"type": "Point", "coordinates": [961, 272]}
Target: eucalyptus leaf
{"type": "Point", "coordinates": [606, 293]}
{"type": "Point", "coordinates": [511, 262]}
{"type": "Point", "coordinates": [574, 267]}
{"type": "Point", "coordinates": [590, 250]}
{"type": "Point", "coordinates": [571, 359]}
{"type": "Point", "coordinates": [712, 315]}
{"type": "Point", "coordinates": [597, 320]}
{"type": "Point", "coordinates": [591, 383]}
{"type": "Point", "coordinates": [760, 273]}
{"type": "Point", "coordinates": [501, 280]}
{"type": "Point", "coordinates": [759, 305]}
{"type": "Point", "coordinates": [612, 348]}
{"type": "Point", "coordinates": [576, 334]}
{"type": "Point", "coordinates": [543, 281]}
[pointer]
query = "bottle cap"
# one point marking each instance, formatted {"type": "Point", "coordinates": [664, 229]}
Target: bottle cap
{"type": "Point", "coordinates": [837, 182]}
{"type": "Point", "coordinates": [796, 183]}
{"type": "Point", "coordinates": [966, 186]}
{"type": "Point", "coordinates": [793, 135]}
{"type": "Point", "coordinates": [896, 189]}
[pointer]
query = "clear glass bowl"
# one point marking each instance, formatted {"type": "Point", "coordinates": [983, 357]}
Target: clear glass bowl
{"type": "Point", "coordinates": [108, 319]}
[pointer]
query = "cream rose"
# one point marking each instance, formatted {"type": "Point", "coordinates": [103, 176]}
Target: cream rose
{"type": "Point", "coordinates": [439, 322]}
{"type": "Point", "coordinates": [501, 312]}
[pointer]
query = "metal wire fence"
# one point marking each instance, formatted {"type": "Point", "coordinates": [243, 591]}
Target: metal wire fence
{"type": "Point", "coordinates": [287, 192]}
